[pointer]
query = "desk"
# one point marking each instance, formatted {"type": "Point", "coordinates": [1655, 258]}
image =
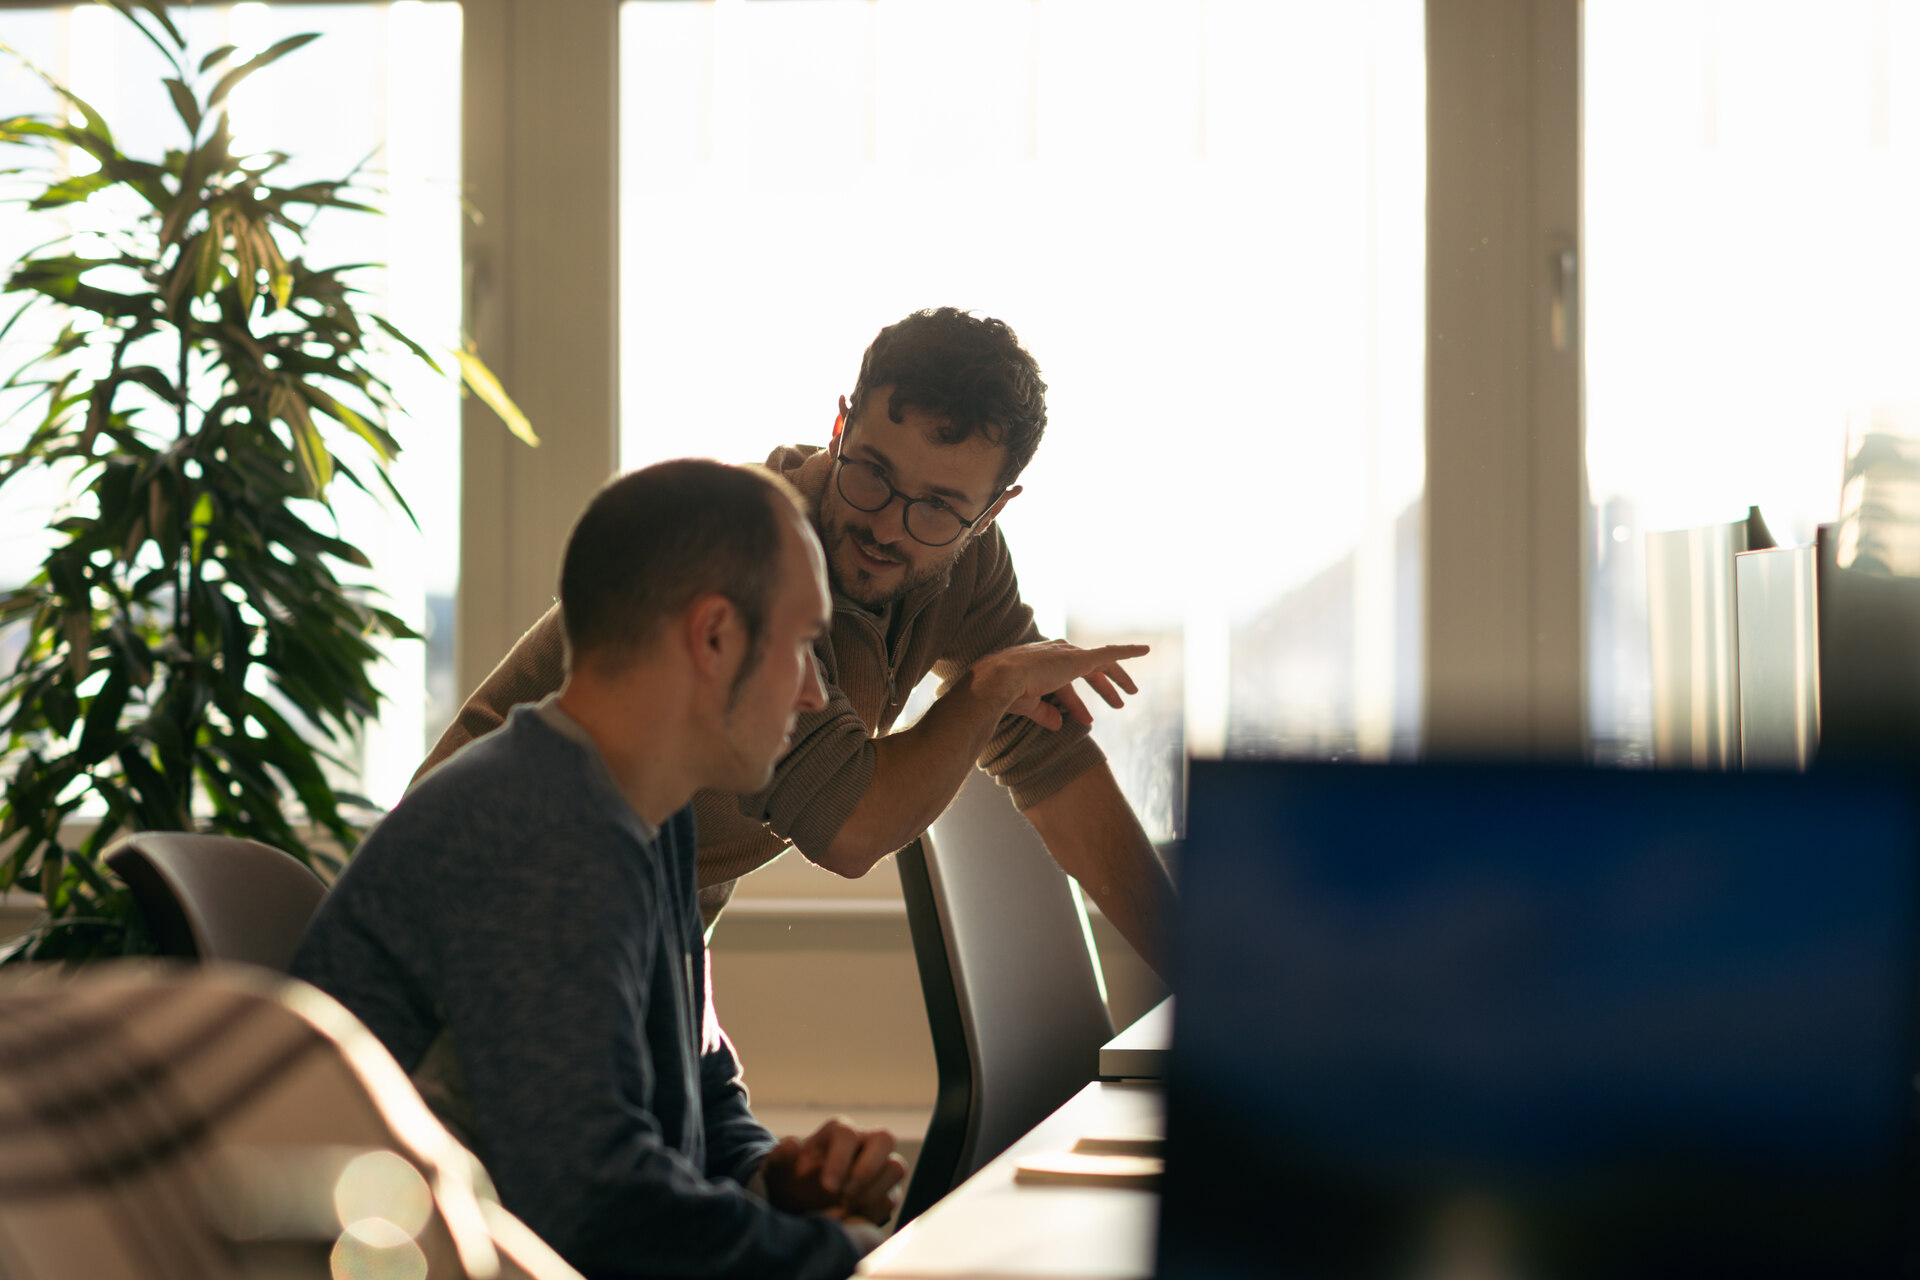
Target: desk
{"type": "Point", "coordinates": [1140, 1052]}
{"type": "Point", "coordinates": [991, 1227]}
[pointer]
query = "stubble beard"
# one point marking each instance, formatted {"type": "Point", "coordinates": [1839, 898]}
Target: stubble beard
{"type": "Point", "coordinates": [858, 585]}
{"type": "Point", "coordinates": [753, 776]}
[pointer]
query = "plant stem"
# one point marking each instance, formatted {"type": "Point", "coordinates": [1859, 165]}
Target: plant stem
{"type": "Point", "coordinates": [182, 593]}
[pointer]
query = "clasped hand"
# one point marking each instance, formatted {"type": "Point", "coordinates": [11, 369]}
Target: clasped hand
{"type": "Point", "coordinates": [841, 1171]}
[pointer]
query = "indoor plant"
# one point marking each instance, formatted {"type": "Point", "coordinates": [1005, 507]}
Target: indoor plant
{"type": "Point", "coordinates": [190, 656]}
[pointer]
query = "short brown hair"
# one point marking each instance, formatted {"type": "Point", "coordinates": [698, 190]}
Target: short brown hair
{"type": "Point", "coordinates": [655, 540]}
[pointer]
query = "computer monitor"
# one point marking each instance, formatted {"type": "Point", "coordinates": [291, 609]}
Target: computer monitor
{"type": "Point", "coordinates": [1546, 1024]}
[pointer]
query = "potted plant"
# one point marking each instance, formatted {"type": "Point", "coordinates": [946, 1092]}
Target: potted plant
{"type": "Point", "coordinates": [190, 658]}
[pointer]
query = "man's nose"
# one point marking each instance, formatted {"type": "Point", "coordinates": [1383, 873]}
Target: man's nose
{"type": "Point", "coordinates": [813, 690]}
{"type": "Point", "coordinates": [890, 522]}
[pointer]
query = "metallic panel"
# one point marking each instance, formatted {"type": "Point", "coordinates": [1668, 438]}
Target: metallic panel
{"type": "Point", "coordinates": [1779, 658]}
{"type": "Point", "coordinates": [1694, 646]}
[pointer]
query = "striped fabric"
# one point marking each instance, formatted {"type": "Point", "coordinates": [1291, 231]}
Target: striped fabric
{"type": "Point", "coordinates": [211, 1123]}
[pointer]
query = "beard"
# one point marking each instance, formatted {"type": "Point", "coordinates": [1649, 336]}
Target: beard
{"type": "Point", "coordinates": [863, 587]}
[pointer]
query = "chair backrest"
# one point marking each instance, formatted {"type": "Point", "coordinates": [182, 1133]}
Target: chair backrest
{"type": "Point", "coordinates": [210, 897]}
{"type": "Point", "coordinates": [217, 1123]}
{"type": "Point", "coordinates": [1014, 999]}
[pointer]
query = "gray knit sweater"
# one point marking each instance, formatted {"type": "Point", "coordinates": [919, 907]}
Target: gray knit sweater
{"type": "Point", "coordinates": [515, 906]}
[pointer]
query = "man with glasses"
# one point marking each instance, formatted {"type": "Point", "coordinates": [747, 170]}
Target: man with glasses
{"type": "Point", "coordinates": [947, 411]}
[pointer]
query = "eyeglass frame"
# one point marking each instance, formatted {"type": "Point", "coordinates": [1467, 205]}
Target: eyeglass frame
{"type": "Point", "coordinates": [840, 461]}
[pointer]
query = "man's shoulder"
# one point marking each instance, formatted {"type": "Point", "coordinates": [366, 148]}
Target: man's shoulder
{"type": "Point", "coordinates": [522, 765]}
{"type": "Point", "coordinates": [804, 466]}
{"type": "Point", "coordinates": [788, 458]}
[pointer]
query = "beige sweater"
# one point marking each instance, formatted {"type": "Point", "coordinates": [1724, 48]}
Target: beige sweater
{"type": "Point", "coordinates": [872, 663]}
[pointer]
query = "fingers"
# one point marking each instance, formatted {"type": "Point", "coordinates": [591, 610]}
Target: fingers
{"type": "Point", "coordinates": [1041, 712]}
{"type": "Point", "coordinates": [1105, 663]}
{"type": "Point", "coordinates": [783, 1154]}
{"type": "Point", "coordinates": [1068, 700]}
{"type": "Point", "coordinates": [1104, 687]}
{"type": "Point", "coordinates": [835, 1144]}
{"type": "Point", "coordinates": [875, 1149]}
{"type": "Point", "coordinates": [877, 1200]}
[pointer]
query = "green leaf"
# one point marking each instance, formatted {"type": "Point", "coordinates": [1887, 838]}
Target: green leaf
{"type": "Point", "coordinates": [96, 124]}
{"type": "Point", "coordinates": [474, 372]}
{"type": "Point", "coordinates": [200, 520]}
{"type": "Point", "coordinates": [407, 342]}
{"type": "Point", "coordinates": [159, 11]}
{"type": "Point", "coordinates": [183, 102]}
{"type": "Point", "coordinates": [154, 801]}
{"type": "Point", "coordinates": [71, 190]}
{"type": "Point", "coordinates": [273, 54]}
{"type": "Point", "coordinates": [100, 731]}
{"type": "Point", "coordinates": [383, 444]}
{"type": "Point", "coordinates": [316, 461]}
{"type": "Point", "coordinates": [212, 241]}
{"type": "Point", "coordinates": [221, 54]}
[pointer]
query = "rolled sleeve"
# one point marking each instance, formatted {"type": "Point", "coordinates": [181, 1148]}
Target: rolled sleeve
{"type": "Point", "coordinates": [1033, 776]}
{"type": "Point", "coordinates": [817, 786]}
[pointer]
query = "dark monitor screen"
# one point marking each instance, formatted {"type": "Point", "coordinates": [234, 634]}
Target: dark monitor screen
{"type": "Point", "coordinates": [1439, 1021]}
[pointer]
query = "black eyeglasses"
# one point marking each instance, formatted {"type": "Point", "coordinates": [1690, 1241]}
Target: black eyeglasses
{"type": "Point", "coordinates": [929, 521]}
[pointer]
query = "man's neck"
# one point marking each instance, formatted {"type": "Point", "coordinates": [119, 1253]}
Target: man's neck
{"type": "Point", "coordinates": [637, 739]}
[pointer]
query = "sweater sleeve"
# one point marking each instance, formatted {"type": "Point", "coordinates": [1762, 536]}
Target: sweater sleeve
{"type": "Point", "coordinates": [547, 994]}
{"type": "Point", "coordinates": [736, 1142]}
{"type": "Point", "coordinates": [535, 667]}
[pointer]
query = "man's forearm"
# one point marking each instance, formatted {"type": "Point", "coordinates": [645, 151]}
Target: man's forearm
{"type": "Point", "coordinates": [1092, 832]}
{"type": "Point", "coordinates": [916, 776]}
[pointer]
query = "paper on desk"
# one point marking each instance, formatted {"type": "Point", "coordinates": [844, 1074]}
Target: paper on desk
{"type": "Point", "coordinates": [1079, 1169]}
{"type": "Point", "coordinates": [1121, 1144]}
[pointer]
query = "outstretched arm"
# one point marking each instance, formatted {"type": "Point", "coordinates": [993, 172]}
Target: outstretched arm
{"type": "Point", "coordinates": [918, 771]}
{"type": "Point", "coordinates": [1092, 832]}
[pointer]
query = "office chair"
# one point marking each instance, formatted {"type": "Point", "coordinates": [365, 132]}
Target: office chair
{"type": "Point", "coordinates": [1013, 998]}
{"type": "Point", "coordinates": [218, 1123]}
{"type": "Point", "coordinates": [207, 897]}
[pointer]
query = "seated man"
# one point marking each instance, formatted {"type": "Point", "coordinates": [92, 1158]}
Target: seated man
{"type": "Point", "coordinates": [522, 931]}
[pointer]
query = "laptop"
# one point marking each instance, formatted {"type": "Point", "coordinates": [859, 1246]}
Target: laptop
{"type": "Point", "coordinates": [1545, 1024]}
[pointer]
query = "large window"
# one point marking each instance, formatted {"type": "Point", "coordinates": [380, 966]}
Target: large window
{"type": "Point", "coordinates": [1752, 188]}
{"type": "Point", "coordinates": [1206, 222]}
{"type": "Point", "coordinates": [380, 90]}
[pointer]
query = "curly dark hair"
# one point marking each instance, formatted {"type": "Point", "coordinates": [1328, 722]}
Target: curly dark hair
{"type": "Point", "coordinates": [970, 370]}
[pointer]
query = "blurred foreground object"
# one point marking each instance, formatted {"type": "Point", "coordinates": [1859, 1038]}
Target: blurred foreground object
{"type": "Point", "coordinates": [1531, 1022]}
{"type": "Point", "coordinates": [217, 1124]}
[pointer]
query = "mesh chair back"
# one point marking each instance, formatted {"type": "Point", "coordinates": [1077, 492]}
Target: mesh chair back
{"type": "Point", "coordinates": [208, 897]}
{"type": "Point", "coordinates": [1014, 999]}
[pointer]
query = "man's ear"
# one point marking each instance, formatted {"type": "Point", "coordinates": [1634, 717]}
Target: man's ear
{"type": "Point", "coordinates": [713, 634]}
{"type": "Point", "coordinates": [993, 512]}
{"type": "Point", "coordinates": [839, 429]}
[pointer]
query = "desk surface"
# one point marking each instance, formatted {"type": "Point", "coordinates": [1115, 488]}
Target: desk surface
{"type": "Point", "coordinates": [991, 1227]}
{"type": "Point", "coordinates": [1140, 1052]}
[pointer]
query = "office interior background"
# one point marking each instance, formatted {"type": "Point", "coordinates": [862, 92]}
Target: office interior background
{"type": "Point", "coordinates": [1378, 335]}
